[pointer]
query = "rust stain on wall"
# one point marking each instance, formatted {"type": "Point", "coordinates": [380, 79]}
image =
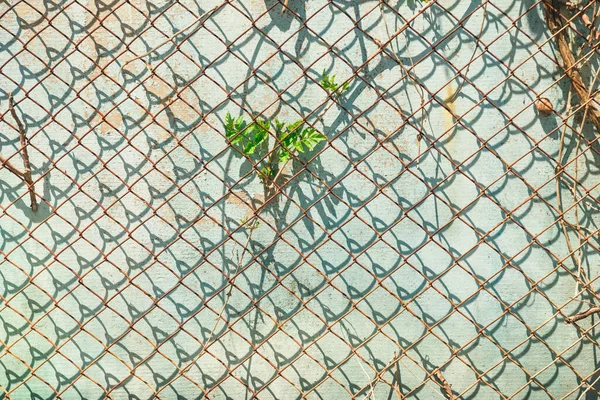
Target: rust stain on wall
{"type": "Point", "coordinates": [111, 122]}
{"type": "Point", "coordinates": [450, 102]}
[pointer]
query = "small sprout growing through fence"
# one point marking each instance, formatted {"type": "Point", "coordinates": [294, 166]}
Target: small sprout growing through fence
{"type": "Point", "coordinates": [249, 223]}
{"type": "Point", "coordinates": [328, 83]}
{"type": "Point", "coordinates": [252, 139]}
{"type": "Point", "coordinates": [294, 137]}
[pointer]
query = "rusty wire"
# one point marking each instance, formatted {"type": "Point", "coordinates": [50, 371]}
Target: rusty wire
{"type": "Point", "coordinates": [152, 263]}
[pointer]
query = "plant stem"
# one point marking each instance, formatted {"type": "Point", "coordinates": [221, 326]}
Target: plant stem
{"type": "Point", "coordinates": [453, 97]}
{"type": "Point", "coordinates": [26, 174]}
{"type": "Point", "coordinates": [238, 266]}
{"type": "Point", "coordinates": [5, 163]}
{"type": "Point", "coordinates": [588, 388]}
{"type": "Point", "coordinates": [409, 75]}
{"type": "Point", "coordinates": [580, 316]}
{"type": "Point", "coordinates": [395, 360]}
{"type": "Point", "coordinates": [444, 384]}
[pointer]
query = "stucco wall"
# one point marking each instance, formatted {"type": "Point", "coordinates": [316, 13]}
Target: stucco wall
{"type": "Point", "coordinates": [119, 276]}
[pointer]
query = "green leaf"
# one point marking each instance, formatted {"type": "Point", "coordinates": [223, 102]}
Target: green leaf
{"type": "Point", "coordinates": [250, 148]}
{"type": "Point", "coordinates": [260, 136]}
{"type": "Point", "coordinates": [253, 139]}
{"type": "Point", "coordinates": [290, 135]}
{"type": "Point", "coordinates": [284, 156]}
{"type": "Point", "coordinates": [294, 126]}
{"type": "Point", "coordinates": [310, 138]}
{"type": "Point", "coordinates": [328, 82]}
{"type": "Point", "coordinates": [228, 120]}
{"type": "Point", "coordinates": [256, 135]}
{"type": "Point", "coordinates": [234, 129]}
{"type": "Point", "coordinates": [265, 174]}
{"type": "Point", "coordinates": [279, 126]}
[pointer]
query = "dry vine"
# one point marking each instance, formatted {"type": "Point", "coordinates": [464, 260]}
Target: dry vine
{"type": "Point", "coordinates": [447, 387]}
{"type": "Point", "coordinates": [580, 316]}
{"type": "Point", "coordinates": [570, 67]}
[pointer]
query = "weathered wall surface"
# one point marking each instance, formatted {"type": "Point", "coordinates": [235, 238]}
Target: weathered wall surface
{"type": "Point", "coordinates": [446, 251]}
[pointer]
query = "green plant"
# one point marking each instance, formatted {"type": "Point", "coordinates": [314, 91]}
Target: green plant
{"type": "Point", "coordinates": [249, 223]}
{"type": "Point", "coordinates": [249, 137]}
{"type": "Point", "coordinates": [328, 83]}
{"type": "Point", "coordinates": [252, 139]}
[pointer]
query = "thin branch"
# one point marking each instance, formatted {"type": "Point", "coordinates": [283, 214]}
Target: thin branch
{"type": "Point", "coordinates": [452, 98]}
{"type": "Point", "coordinates": [444, 384]}
{"type": "Point", "coordinates": [252, 227]}
{"type": "Point", "coordinates": [562, 221]}
{"type": "Point", "coordinates": [580, 316]}
{"type": "Point", "coordinates": [26, 174]}
{"type": "Point", "coordinates": [398, 377]}
{"type": "Point", "coordinates": [173, 36]}
{"type": "Point", "coordinates": [5, 163]}
{"type": "Point", "coordinates": [409, 75]}
{"type": "Point", "coordinates": [371, 394]}
{"type": "Point", "coordinates": [395, 360]}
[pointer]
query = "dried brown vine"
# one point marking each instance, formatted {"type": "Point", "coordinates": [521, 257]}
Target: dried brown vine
{"type": "Point", "coordinates": [555, 24]}
{"type": "Point", "coordinates": [447, 387]}
{"type": "Point", "coordinates": [25, 174]}
{"type": "Point", "coordinates": [580, 316]}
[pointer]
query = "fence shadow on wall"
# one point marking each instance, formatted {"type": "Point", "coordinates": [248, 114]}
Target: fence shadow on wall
{"type": "Point", "coordinates": [380, 244]}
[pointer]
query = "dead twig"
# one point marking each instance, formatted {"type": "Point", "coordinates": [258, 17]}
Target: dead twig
{"type": "Point", "coordinates": [398, 377]}
{"type": "Point", "coordinates": [25, 175]}
{"type": "Point", "coordinates": [5, 163]}
{"type": "Point", "coordinates": [560, 167]}
{"type": "Point", "coordinates": [452, 98]}
{"type": "Point", "coordinates": [562, 220]}
{"type": "Point", "coordinates": [173, 36]}
{"type": "Point", "coordinates": [580, 316]}
{"type": "Point", "coordinates": [444, 384]}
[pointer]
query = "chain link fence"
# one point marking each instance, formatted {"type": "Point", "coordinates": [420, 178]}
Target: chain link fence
{"type": "Point", "coordinates": [299, 199]}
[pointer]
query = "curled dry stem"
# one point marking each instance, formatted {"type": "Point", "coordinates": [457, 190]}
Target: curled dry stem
{"type": "Point", "coordinates": [447, 387]}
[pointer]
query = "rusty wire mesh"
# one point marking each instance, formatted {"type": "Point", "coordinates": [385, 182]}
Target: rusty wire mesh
{"type": "Point", "coordinates": [431, 247]}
